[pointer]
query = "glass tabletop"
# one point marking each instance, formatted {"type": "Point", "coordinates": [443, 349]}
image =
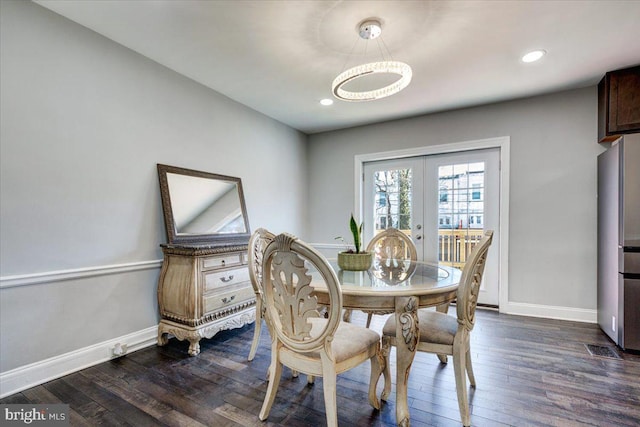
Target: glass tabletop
{"type": "Point", "coordinates": [396, 277]}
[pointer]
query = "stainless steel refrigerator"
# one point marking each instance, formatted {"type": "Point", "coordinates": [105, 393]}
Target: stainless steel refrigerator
{"type": "Point", "coordinates": [619, 242]}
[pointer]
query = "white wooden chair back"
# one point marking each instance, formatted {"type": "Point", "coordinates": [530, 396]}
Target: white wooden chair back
{"type": "Point", "coordinates": [257, 244]}
{"type": "Point", "coordinates": [393, 244]}
{"type": "Point", "coordinates": [467, 297]}
{"type": "Point", "coordinates": [288, 294]}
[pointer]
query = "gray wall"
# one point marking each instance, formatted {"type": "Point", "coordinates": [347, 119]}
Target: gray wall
{"type": "Point", "coordinates": [552, 250]}
{"type": "Point", "coordinates": [83, 123]}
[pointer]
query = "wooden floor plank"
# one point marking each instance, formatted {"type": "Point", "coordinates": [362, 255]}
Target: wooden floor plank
{"type": "Point", "coordinates": [529, 372]}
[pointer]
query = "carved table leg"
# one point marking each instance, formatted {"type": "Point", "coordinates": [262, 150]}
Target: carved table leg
{"type": "Point", "coordinates": [406, 346]}
{"type": "Point", "coordinates": [443, 308]}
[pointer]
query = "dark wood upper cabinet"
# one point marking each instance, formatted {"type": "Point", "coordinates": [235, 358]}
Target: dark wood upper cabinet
{"type": "Point", "coordinates": [619, 103]}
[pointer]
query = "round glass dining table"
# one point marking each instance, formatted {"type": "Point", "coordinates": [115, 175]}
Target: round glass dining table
{"type": "Point", "coordinates": [400, 287]}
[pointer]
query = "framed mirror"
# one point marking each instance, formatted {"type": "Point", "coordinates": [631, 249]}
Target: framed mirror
{"type": "Point", "coordinates": [202, 208]}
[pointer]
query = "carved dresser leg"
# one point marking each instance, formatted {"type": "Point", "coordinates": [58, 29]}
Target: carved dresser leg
{"type": "Point", "coordinates": [194, 346]}
{"type": "Point", "coordinates": [163, 338]}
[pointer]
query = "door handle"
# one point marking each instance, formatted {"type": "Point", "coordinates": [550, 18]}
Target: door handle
{"type": "Point", "coordinates": [419, 237]}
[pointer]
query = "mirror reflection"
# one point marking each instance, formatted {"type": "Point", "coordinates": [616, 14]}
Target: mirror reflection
{"type": "Point", "coordinates": [204, 206]}
{"type": "Point", "coordinates": [393, 271]}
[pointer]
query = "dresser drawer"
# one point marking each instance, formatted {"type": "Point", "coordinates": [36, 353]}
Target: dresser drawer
{"type": "Point", "coordinates": [218, 279]}
{"type": "Point", "coordinates": [227, 298]}
{"type": "Point", "coordinates": [221, 261]}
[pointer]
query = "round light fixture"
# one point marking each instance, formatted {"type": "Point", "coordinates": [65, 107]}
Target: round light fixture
{"type": "Point", "coordinates": [369, 30]}
{"type": "Point", "coordinates": [326, 102]}
{"type": "Point", "coordinates": [389, 67]}
{"type": "Point", "coordinates": [533, 55]}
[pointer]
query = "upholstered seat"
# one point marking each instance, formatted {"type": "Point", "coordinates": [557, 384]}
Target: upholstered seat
{"type": "Point", "coordinates": [348, 340]}
{"type": "Point", "coordinates": [434, 327]}
{"type": "Point", "coordinates": [447, 335]}
{"type": "Point", "coordinates": [300, 337]}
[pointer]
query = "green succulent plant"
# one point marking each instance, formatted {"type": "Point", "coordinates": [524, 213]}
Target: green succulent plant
{"type": "Point", "coordinates": [356, 232]}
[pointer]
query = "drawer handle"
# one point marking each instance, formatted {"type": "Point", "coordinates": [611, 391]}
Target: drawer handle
{"type": "Point", "coordinates": [226, 300]}
{"type": "Point", "coordinates": [227, 279]}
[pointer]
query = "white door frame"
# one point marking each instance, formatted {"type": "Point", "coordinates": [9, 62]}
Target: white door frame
{"type": "Point", "coordinates": [502, 142]}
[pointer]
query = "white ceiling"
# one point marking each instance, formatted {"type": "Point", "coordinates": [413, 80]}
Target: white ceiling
{"type": "Point", "coordinates": [280, 57]}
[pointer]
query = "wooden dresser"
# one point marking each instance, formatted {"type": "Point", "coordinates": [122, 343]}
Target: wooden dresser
{"type": "Point", "coordinates": [202, 290]}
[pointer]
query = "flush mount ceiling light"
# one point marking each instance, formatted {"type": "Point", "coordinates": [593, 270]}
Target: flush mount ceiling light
{"type": "Point", "coordinates": [533, 55]}
{"type": "Point", "coordinates": [371, 29]}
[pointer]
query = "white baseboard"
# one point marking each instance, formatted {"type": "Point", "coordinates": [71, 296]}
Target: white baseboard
{"type": "Point", "coordinates": [38, 373]}
{"type": "Point", "coordinates": [550, 312]}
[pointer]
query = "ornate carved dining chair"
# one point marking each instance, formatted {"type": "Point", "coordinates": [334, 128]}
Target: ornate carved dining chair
{"type": "Point", "coordinates": [390, 247]}
{"type": "Point", "coordinates": [257, 244]}
{"type": "Point", "coordinates": [442, 334]}
{"type": "Point", "coordinates": [392, 244]}
{"type": "Point", "coordinates": [302, 339]}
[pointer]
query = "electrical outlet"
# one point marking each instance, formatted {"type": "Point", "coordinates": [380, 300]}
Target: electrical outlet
{"type": "Point", "coordinates": [119, 350]}
{"type": "Point", "coordinates": [613, 323]}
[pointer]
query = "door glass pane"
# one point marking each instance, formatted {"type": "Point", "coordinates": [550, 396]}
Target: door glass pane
{"type": "Point", "coordinates": [392, 200]}
{"type": "Point", "coordinates": [460, 211]}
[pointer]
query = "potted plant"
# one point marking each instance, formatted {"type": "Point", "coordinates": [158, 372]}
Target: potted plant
{"type": "Point", "coordinates": [355, 259]}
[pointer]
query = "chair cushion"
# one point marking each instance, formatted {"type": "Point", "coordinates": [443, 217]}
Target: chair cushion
{"type": "Point", "coordinates": [434, 327]}
{"type": "Point", "coordinates": [348, 341]}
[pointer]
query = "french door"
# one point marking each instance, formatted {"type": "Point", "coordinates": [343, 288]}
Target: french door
{"type": "Point", "coordinates": [444, 202]}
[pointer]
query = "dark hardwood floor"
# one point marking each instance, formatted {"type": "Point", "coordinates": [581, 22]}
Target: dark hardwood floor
{"type": "Point", "coordinates": [529, 372]}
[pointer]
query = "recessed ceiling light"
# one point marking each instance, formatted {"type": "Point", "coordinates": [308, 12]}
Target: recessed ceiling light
{"type": "Point", "coordinates": [326, 101]}
{"type": "Point", "coordinates": [533, 55]}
